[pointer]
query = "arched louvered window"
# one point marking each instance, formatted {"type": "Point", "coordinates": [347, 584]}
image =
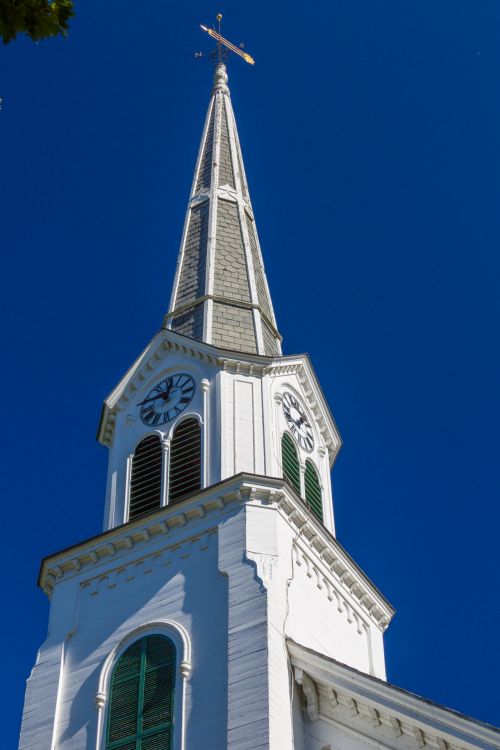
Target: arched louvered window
{"type": "Point", "coordinates": [291, 468]}
{"type": "Point", "coordinates": [145, 483]}
{"type": "Point", "coordinates": [185, 460]}
{"type": "Point", "coordinates": [140, 715]}
{"type": "Point", "coordinates": [313, 490]}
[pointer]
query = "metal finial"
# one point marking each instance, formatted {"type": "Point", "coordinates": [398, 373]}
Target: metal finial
{"type": "Point", "coordinates": [220, 78]}
{"type": "Point", "coordinates": [219, 43]}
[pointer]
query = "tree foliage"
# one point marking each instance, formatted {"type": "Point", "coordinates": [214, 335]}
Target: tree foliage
{"type": "Point", "coordinates": [36, 18]}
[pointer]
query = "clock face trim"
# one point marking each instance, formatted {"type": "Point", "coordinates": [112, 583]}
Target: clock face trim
{"type": "Point", "coordinates": [297, 421]}
{"type": "Point", "coordinates": [167, 399]}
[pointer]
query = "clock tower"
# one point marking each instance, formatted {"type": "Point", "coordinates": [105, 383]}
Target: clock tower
{"type": "Point", "coordinates": [171, 629]}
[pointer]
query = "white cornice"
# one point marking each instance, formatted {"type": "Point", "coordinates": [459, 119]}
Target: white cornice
{"type": "Point", "coordinates": [357, 702]}
{"type": "Point", "coordinates": [165, 342]}
{"type": "Point", "coordinates": [242, 488]}
{"type": "Point", "coordinates": [331, 569]}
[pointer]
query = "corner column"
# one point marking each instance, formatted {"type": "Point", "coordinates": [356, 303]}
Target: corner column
{"type": "Point", "coordinates": [324, 469]}
{"type": "Point", "coordinates": [278, 399]}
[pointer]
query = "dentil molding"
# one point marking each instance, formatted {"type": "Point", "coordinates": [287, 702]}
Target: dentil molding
{"type": "Point", "coordinates": [322, 550]}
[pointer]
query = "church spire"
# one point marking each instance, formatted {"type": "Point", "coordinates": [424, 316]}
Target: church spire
{"type": "Point", "coordinates": [220, 292]}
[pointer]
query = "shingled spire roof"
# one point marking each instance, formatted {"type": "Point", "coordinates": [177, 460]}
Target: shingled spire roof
{"type": "Point", "coordinates": [220, 292]}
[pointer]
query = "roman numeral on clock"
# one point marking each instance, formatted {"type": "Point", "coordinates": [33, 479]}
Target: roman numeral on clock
{"type": "Point", "coordinates": [167, 399]}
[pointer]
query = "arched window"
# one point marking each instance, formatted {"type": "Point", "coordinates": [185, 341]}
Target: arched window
{"type": "Point", "coordinates": [291, 469]}
{"type": "Point", "coordinates": [185, 460]}
{"type": "Point", "coordinates": [141, 704]}
{"type": "Point", "coordinates": [145, 483]}
{"type": "Point", "coordinates": [313, 490]}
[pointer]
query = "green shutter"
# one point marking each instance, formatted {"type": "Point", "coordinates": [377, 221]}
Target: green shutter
{"type": "Point", "coordinates": [291, 469]}
{"type": "Point", "coordinates": [158, 683]}
{"type": "Point", "coordinates": [313, 490]}
{"type": "Point", "coordinates": [142, 696]}
{"type": "Point", "coordinates": [125, 695]}
{"type": "Point", "coordinates": [157, 742]}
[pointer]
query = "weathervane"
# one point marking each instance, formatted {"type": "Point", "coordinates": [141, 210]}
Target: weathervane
{"type": "Point", "coordinates": [224, 46]}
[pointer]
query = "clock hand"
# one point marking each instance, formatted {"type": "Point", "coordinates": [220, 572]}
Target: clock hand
{"type": "Point", "coordinates": [154, 398]}
{"type": "Point", "coordinates": [301, 422]}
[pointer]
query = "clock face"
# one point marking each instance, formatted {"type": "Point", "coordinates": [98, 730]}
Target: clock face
{"type": "Point", "coordinates": [298, 422]}
{"type": "Point", "coordinates": [167, 399]}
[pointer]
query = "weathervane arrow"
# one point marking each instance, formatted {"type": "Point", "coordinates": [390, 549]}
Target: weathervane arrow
{"type": "Point", "coordinates": [221, 41]}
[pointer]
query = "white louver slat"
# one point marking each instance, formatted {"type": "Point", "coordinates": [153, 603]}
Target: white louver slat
{"type": "Point", "coordinates": [185, 460]}
{"type": "Point", "coordinates": [145, 484]}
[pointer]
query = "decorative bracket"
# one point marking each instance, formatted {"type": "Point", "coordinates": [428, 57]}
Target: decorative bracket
{"type": "Point", "coordinates": [310, 693]}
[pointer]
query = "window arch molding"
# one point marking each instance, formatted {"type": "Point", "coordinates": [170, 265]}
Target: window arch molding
{"type": "Point", "coordinates": [165, 439]}
{"type": "Point", "coordinates": [179, 636]}
{"type": "Point", "coordinates": [286, 431]}
{"type": "Point", "coordinates": [185, 415]}
{"type": "Point", "coordinates": [150, 433]}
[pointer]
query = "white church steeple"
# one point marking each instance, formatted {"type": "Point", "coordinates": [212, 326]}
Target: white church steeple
{"type": "Point", "coordinates": [218, 535]}
{"type": "Point", "coordinates": [218, 358]}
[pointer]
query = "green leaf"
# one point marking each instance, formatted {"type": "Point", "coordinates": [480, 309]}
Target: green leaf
{"type": "Point", "coordinates": [38, 19]}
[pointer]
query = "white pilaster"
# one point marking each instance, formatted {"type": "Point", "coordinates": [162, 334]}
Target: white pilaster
{"type": "Point", "coordinates": [205, 385]}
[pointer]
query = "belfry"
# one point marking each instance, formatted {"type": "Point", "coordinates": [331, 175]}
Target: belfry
{"type": "Point", "coordinates": [217, 609]}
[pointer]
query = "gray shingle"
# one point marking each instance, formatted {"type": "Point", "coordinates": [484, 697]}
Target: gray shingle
{"type": "Point", "coordinates": [231, 272]}
{"type": "Point", "coordinates": [264, 301]}
{"type": "Point", "coordinates": [232, 322]}
{"type": "Point", "coordinates": [204, 176]}
{"type": "Point", "coordinates": [192, 278]}
{"type": "Point", "coordinates": [226, 175]}
{"type": "Point", "coordinates": [190, 323]}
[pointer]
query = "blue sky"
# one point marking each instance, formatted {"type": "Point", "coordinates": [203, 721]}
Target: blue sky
{"type": "Point", "coordinates": [371, 134]}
